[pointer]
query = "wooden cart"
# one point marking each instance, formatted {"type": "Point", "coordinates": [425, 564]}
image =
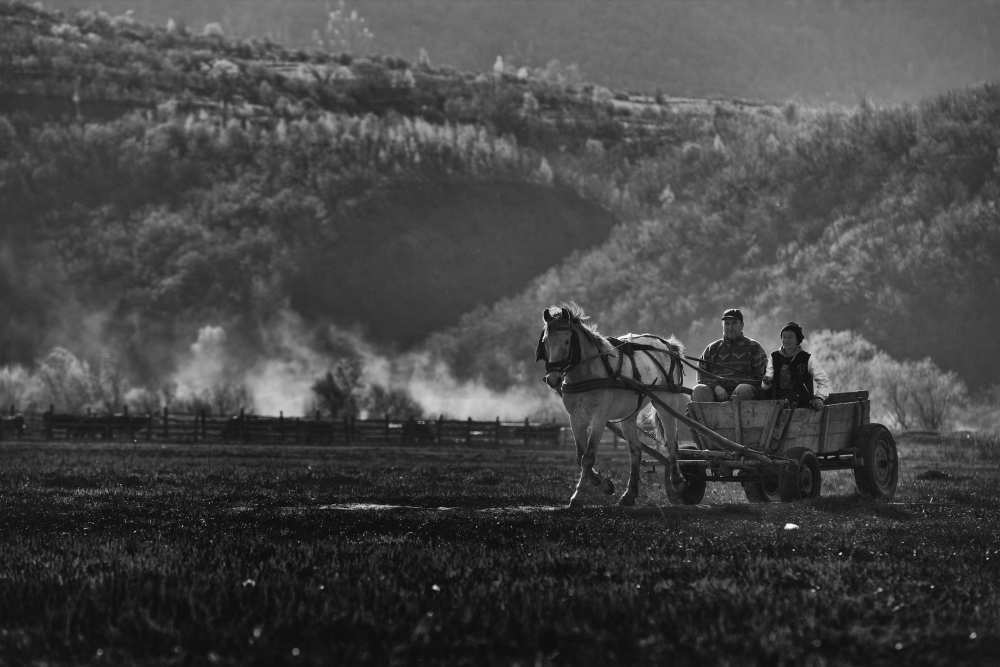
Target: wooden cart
{"type": "Point", "coordinates": [788, 448]}
{"type": "Point", "coordinates": [778, 453]}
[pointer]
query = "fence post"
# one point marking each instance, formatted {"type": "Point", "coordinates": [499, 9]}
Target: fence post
{"type": "Point", "coordinates": [128, 422]}
{"type": "Point", "coordinates": [409, 430]}
{"type": "Point", "coordinates": [281, 426]}
{"type": "Point", "coordinates": [243, 428]}
{"type": "Point", "coordinates": [166, 422]}
{"type": "Point", "coordinates": [527, 425]}
{"type": "Point", "coordinates": [496, 433]}
{"type": "Point", "coordinates": [201, 425]}
{"type": "Point", "coordinates": [149, 426]}
{"type": "Point", "coordinates": [468, 432]}
{"type": "Point", "coordinates": [437, 431]}
{"type": "Point", "coordinates": [347, 431]}
{"type": "Point", "coordinates": [387, 429]}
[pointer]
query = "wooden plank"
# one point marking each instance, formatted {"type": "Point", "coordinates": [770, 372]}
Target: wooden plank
{"type": "Point", "coordinates": [805, 423]}
{"type": "Point", "coordinates": [696, 411]}
{"type": "Point", "coordinates": [768, 434]}
{"type": "Point", "coordinates": [844, 419]}
{"type": "Point", "coordinates": [824, 422]}
{"type": "Point", "coordinates": [715, 415]}
{"type": "Point", "coordinates": [737, 422]}
{"type": "Point", "coordinates": [748, 425]}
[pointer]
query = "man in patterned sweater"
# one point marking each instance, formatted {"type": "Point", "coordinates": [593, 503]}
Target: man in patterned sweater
{"type": "Point", "coordinates": [738, 361]}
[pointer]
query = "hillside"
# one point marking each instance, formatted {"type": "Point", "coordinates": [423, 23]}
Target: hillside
{"type": "Point", "coordinates": [442, 249]}
{"type": "Point", "coordinates": [883, 222]}
{"type": "Point", "coordinates": [813, 51]}
{"type": "Point", "coordinates": [162, 188]}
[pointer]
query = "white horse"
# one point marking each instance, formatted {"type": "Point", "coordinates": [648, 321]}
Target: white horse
{"type": "Point", "coordinates": [587, 369]}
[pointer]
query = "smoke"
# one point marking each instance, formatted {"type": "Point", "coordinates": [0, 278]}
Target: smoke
{"type": "Point", "coordinates": [205, 367]}
{"type": "Point", "coordinates": [432, 384]}
{"type": "Point", "coordinates": [277, 377]}
{"type": "Point", "coordinates": [280, 375]}
{"type": "Point", "coordinates": [282, 381]}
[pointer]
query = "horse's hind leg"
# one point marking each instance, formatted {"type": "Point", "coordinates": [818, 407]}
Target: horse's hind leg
{"type": "Point", "coordinates": [631, 433]}
{"type": "Point", "coordinates": [668, 424]}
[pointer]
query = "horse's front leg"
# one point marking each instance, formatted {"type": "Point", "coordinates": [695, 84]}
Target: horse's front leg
{"type": "Point", "coordinates": [590, 484]}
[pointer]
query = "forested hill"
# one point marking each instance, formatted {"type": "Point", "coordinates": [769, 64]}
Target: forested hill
{"type": "Point", "coordinates": [884, 222]}
{"type": "Point", "coordinates": [154, 181]}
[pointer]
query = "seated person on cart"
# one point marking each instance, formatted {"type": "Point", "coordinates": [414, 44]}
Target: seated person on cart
{"type": "Point", "coordinates": [731, 367]}
{"type": "Point", "coordinates": [793, 374]}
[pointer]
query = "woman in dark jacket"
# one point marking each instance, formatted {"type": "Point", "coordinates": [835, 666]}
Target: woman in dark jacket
{"type": "Point", "coordinates": [793, 374]}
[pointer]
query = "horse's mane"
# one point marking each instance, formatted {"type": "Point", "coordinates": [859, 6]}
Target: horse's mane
{"type": "Point", "coordinates": [578, 316]}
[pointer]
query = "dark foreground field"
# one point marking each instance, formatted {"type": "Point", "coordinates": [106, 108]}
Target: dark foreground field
{"type": "Point", "coordinates": [150, 554]}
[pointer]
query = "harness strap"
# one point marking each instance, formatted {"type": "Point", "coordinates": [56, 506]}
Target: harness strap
{"type": "Point", "coordinates": [615, 379]}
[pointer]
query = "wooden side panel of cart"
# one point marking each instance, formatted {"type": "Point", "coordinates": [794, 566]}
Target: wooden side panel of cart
{"type": "Point", "coordinates": [769, 427]}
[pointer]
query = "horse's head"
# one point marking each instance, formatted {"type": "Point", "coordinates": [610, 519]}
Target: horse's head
{"type": "Point", "coordinates": [559, 344]}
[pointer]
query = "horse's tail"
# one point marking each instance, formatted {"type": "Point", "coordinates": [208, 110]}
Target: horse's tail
{"type": "Point", "coordinates": [661, 434]}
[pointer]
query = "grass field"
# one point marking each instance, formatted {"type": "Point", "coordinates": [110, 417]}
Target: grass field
{"type": "Point", "coordinates": [181, 554]}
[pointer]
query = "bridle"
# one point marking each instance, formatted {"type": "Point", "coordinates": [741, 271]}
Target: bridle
{"type": "Point", "coordinates": [573, 359]}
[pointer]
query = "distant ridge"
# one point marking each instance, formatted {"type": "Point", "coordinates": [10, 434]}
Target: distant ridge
{"type": "Point", "coordinates": [836, 51]}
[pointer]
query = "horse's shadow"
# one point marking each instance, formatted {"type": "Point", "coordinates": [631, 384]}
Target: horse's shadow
{"type": "Point", "coordinates": [844, 505]}
{"type": "Point", "coordinates": [855, 504]}
{"type": "Point", "coordinates": [720, 512]}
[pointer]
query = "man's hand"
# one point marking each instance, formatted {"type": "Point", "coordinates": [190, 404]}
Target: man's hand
{"type": "Point", "coordinates": [720, 393]}
{"type": "Point", "coordinates": [817, 403]}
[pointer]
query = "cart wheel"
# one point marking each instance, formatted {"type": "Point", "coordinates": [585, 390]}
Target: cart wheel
{"type": "Point", "coordinates": [766, 489]}
{"type": "Point", "coordinates": [692, 491]}
{"type": "Point", "coordinates": [876, 463]}
{"type": "Point", "coordinates": [805, 483]}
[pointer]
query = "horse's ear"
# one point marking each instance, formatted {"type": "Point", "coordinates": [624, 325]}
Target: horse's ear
{"type": "Point", "coordinates": [540, 350]}
{"type": "Point", "coordinates": [546, 315]}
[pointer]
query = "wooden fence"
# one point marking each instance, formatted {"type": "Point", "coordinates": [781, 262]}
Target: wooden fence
{"type": "Point", "coordinates": [167, 426]}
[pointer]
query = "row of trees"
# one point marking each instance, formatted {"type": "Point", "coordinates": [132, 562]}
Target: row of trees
{"type": "Point", "coordinates": [905, 395]}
